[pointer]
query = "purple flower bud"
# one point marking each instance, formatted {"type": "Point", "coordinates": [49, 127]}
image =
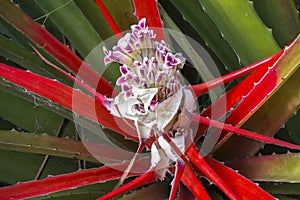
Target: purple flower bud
{"type": "Point", "coordinates": [128, 94]}
{"type": "Point", "coordinates": [123, 69]}
{"type": "Point", "coordinates": [129, 77]}
{"type": "Point", "coordinates": [137, 63]}
{"type": "Point", "coordinates": [142, 23]}
{"type": "Point", "coordinates": [141, 26]}
{"type": "Point", "coordinates": [140, 108]}
{"type": "Point", "coordinates": [146, 61]}
{"type": "Point", "coordinates": [141, 71]}
{"type": "Point", "coordinates": [171, 60]}
{"type": "Point", "coordinates": [136, 79]}
{"type": "Point", "coordinates": [126, 88]}
{"type": "Point", "coordinates": [108, 103]}
{"type": "Point", "coordinates": [146, 64]}
{"type": "Point", "coordinates": [151, 76]}
{"type": "Point", "coordinates": [119, 57]}
{"type": "Point", "coordinates": [106, 52]}
{"type": "Point", "coordinates": [121, 80]}
{"type": "Point", "coordinates": [153, 105]}
{"type": "Point", "coordinates": [107, 60]}
{"type": "Point", "coordinates": [161, 78]}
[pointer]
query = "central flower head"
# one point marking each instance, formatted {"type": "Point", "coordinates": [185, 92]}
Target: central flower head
{"type": "Point", "coordinates": [152, 95]}
{"type": "Point", "coordinates": [146, 63]}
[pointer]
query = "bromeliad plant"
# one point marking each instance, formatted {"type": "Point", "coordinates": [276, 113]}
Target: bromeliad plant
{"type": "Point", "coordinates": [153, 107]}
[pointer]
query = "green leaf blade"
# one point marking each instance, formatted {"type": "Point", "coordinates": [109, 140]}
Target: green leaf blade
{"type": "Point", "coordinates": [274, 168]}
{"type": "Point", "coordinates": [70, 20]}
{"type": "Point", "coordinates": [281, 16]}
{"type": "Point", "coordinates": [242, 28]}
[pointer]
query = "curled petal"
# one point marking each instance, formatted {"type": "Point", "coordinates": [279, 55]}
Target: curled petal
{"type": "Point", "coordinates": [108, 103]}
{"type": "Point", "coordinates": [107, 60]}
{"type": "Point", "coordinates": [128, 50]}
{"type": "Point", "coordinates": [106, 52]}
{"type": "Point", "coordinates": [155, 157]}
{"type": "Point", "coordinates": [159, 160]}
{"type": "Point", "coordinates": [167, 149]}
{"type": "Point", "coordinates": [117, 56]}
{"type": "Point", "coordinates": [167, 110]}
{"type": "Point", "coordinates": [126, 42]}
{"type": "Point", "coordinates": [171, 60]}
{"type": "Point", "coordinates": [181, 58]}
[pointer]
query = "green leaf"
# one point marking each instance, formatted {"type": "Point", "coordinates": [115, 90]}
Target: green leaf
{"type": "Point", "coordinates": [281, 16]}
{"type": "Point", "coordinates": [37, 120]}
{"type": "Point", "coordinates": [281, 188]}
{"type": "Point", "coordinates": [157, 191]}
{"type": "Point", "coordinates": [195, 54]}
{"type": "Point", "coordinates": [24, 166]}
{"type": "Point", "coordinates": [122, 15]}
{"type": "Point", "coordinates": [44, 144]}
{"type": "Point", "coordinates": [293, 127]}
{"type": "Point", "coordinates": [34, 11]}
{"type": "Point", "coordinates": [202, 23]}
{"type": "Point", "coordinates": [272, 113]}
{"type": "Point", "coordinates": [283, 197]}
{"type": "Point", "coordinates": [15, 46]}
{"type": "Point", "coordinates": [84, 27]}
{"type": "Point", "coordinates": [72, 23]}
{"type": "Point", "coordinates": [242, 28]}
{"type": "Point", "coordinates": [87, 192]}
{"type": "Point", "coordinates": [6, 125]}
{"type": "Point", "coordinates": [11, 32]}
{"type": "Point", "coordinates": [27, 59]}
{"type": "Point", "coordinates": [41, 37]}
{"type": "Point", "coordinates": [275, 168]}
{"type": "Point", "coordinates": [95, 17]}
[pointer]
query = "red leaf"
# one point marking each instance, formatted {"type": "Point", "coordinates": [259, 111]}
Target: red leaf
{"type": "Point", "coordinates": [202, 88]}
{"type": "Point", "coordinates": [59, 183]}
{"type": "Point", "coordinates": [176, 180]}
{"type": "Point", "coordinates": [191, 181]}
{"type": "Point", "coordinates": [146, 178]}
{"type": "Point", "coordinates": [148, 9]}
{"type": "Point", "coordinates": [209, 172]}
{"type": "Point", "coordinates": [245, 133]}
{"type": "Point", "coordinates": [109, 19]}
{"type": "Point", "coordinates": [253, 91]}
{"type": "Point", "coordinates": [234, 95]}
{"type": "Point", "coordinates": [244, 188]}
{"type": "Point", "coordinates": [65, 96]}
{"type": "Point", "coordinates": [99, 97]}
{"type": "Point", "coordinates": [59, 51]}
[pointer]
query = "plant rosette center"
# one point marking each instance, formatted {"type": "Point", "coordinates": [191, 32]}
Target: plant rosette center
{"type": "Point", "coordinates": [152, 94]}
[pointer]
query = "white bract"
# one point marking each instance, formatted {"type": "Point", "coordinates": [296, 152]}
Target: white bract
{"type": "Point", "coordinates": [152, 95]}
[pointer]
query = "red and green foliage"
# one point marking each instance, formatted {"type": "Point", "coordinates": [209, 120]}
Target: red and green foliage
{"type": "Point", "coordinates": [44, 106]}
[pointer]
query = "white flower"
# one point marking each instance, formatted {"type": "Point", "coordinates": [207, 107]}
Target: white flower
{"type": "Point", "coordinates": [152, 95]}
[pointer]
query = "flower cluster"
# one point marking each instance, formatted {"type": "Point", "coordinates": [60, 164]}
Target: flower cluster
{"type": "Point", "coordinates": [146, 63]}
{"type": "Point", "coordinates": [152, 95]}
